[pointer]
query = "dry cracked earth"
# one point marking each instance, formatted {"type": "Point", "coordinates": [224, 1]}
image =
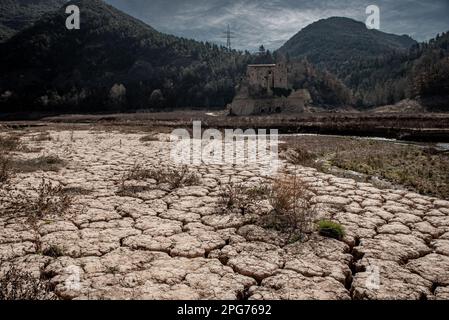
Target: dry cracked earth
{"type": "Point", "coordinates": [175, 244]}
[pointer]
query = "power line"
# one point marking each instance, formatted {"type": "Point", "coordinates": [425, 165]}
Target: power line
{"type": "Point", "coordinates": [228, 34]}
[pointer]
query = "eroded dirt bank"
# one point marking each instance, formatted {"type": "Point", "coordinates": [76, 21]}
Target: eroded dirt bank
{"type": "Point", "coordinates": [175, 244]}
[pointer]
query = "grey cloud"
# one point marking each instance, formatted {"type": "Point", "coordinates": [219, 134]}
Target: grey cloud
{"type": "Point", "coordinates": [271, 23]}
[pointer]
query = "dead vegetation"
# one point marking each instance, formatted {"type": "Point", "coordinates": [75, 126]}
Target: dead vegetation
{"type": "Point", "coordinates": [21, 285]}
{"type": "Point", "coordinates": [293, 211]}
{"type": "Point", "coordinates": [419, 168]}
{"type": "Point", "coordinates": [126, 190]}
{"type": "Point", "coordinates": [5, 170]}
{"type": "Point", "coordinates": [77, 191]}
{"type": "Point", "coordinates": [174, 178]}
{"type": "Point", "coordinates": [45, 200]}
{"type": "Point", "coordinates": [10, 165]}
{"type": "Point", "coordinates": [8, 144]}
{"type": "Point", "coordinates": [42, 163]}
{"type": "Point", "coordinates": [241, 198]}
{"type": "Point", "coordinates": [290, 208]}
{"type": "Point", "coordinates": [149, 138]}
{"type": "Point", "coordinates": [42, 136]}
{"type": "Point", "coordinates": [53, 251]}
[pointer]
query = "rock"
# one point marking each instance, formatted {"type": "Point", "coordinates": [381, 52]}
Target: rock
{"type": "Point", "coordinates": [394, 228]}
{"type": "Point", "coordinates": [289, 285]}
{"type": "Point", "coordinates": [387, 280]}
{"type": "Point", "coordinates": [257, 260]}
{"type": "Point", "coordinates": [432, 267]}
{"type": "Point", "coordinates": [339, 201]}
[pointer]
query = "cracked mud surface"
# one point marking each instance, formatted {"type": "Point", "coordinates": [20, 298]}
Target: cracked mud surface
{"type": "Point", "coordinates": [175, 244]}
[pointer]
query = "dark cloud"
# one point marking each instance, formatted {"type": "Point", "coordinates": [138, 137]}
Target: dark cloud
{"type": "Point", "coordinates": [272, 22]}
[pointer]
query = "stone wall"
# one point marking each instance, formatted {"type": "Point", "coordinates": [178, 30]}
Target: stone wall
{"type": "Point", "coordinates": [268, 76]}
{"type": "Point", "coordinates": [245, 106]}
{"type": "Point", "coordinates": [250, 100]}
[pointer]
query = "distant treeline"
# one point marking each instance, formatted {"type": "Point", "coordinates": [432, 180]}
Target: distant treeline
{"type": "Point", "coordinates": [422, 73]}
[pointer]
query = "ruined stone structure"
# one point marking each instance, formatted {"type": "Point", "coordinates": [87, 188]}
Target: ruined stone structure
{"type": "Point", "coordinates": [268, 76]}
{"type": "Point", "coordinates": [265, 90]}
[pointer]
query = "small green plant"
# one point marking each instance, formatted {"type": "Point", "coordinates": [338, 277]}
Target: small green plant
{"type": "Point", "coordinates": [331, 229]}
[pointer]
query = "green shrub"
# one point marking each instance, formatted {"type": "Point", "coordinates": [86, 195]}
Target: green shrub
{"type": "Point", "coordinates": [331, 229]}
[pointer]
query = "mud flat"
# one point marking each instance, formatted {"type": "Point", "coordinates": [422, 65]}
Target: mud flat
{"type": "Point", "coordinates": [423, 127]}
{"type": "Point", "coordinates": [163, 243]}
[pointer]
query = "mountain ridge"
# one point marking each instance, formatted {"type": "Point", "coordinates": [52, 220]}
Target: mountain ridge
{"type": "Point", "coordinates": [333, 42]}
{"type": "Point", "coordinates": [119, 63]}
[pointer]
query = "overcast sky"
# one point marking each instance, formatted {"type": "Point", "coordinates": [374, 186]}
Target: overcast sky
{"type": "Point", "coordinates": [271, 23]}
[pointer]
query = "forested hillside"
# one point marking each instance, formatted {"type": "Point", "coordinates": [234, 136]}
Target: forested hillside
{"type": "Point", "coordinates": [325, 88]}
{"type": "Point", "coordinates": [114, 62]}
{"type": "Point", "coordinates": [422, 73]}
{"type": "Point", "coordinates": [118, 63]}
{"type": "Point", "coordinates": [337, 43]}
{"type": "Point", "coordinates": [377, 67]}
{"type": "Point", "coordinates": [16, 15]}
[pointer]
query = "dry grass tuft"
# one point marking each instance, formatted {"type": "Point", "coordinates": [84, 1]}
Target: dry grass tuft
{"type": "Point", "coordinates": [46, 200]}
{"type": "Point", "coordinates": [242, 198]}
{"type": "Point", "coordinates": [42, 163]}
{"type": "Point", "coordinates": [174, 177]}
{"type": "Point", "coordinates": [42, 136]}
{"type": "Point", "coordinates": [420, 168]}
{"type": "Point", "coordinates": [293, 211]}
{"type": "Point", "coordinates": [20, 285]}
{"type": "Point", "coordinates": [53, 251]}
{"type": "Point", "coordinates": [5, 170]}
{"type": "Point", "coordinates": [149, 138]}
{"type": "Point", "coordinates": [9, 143]}
{"type": "Point", "coordinates": [77, 191]}
{"type": "Point", "coordinates": [131, 190]}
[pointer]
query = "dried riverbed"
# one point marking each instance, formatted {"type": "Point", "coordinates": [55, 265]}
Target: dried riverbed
{"type": "Point", "coordinates": [175, 244]}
